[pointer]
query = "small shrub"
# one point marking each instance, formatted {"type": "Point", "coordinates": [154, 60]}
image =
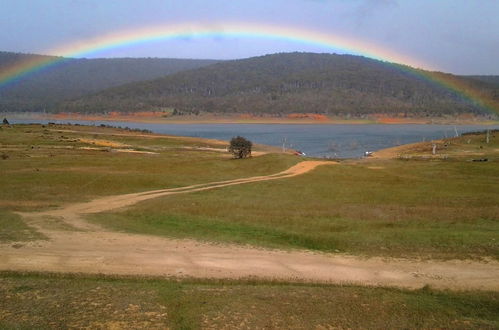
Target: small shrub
{"type": "Point", "coordinates": [240, 147]}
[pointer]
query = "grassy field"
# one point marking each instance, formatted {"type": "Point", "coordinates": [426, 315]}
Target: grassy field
{"type": "Point", "coordinates": [417, 205]}
{"type": "Point", "coordinates": [54, 301]}
{"type": "Point", "coordinates": [44, 167]}
{"type": "Point", "coordinates": [407, 207]}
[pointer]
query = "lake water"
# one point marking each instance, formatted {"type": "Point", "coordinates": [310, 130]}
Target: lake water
{"type": "Point", "coordinates": [342, 141]}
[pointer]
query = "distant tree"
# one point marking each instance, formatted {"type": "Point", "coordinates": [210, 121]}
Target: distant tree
{"type": "Point", "coordinates": [240, 147]}
{"type": "Point", "coordinates": [5, 121]}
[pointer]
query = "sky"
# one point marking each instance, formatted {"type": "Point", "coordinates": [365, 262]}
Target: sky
{"type": "Point", "coordinates": [456, 36]}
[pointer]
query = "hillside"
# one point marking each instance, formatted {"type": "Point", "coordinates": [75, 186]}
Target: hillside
{"type": "Point", "coordinates": [291, 83]}
{"type": "Point", "coordinates": [489, 79]}
{"type": "Point", "coordinates": [73, 78]}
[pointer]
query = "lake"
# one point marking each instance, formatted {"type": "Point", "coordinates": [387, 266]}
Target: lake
{"type": "Point", "coordinates": [342, 141]}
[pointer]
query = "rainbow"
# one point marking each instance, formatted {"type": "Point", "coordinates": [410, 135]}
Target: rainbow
{"type": "Point", "coordinates": [245, 30]}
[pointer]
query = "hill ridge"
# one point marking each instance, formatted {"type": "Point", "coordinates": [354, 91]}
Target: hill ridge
{"type": "Point", "coordinates": [286, 83]}
{"type": "Point", "coordinates": [76, 77]}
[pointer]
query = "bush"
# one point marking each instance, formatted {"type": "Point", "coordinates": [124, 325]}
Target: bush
{"type": "Point", "coordinates": [240, 147]}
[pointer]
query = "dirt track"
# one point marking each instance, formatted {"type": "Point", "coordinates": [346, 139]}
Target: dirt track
{"type": "Point", "coordinates": [77, 246]}
{"type": "Point", "coordinates": [115, 202]}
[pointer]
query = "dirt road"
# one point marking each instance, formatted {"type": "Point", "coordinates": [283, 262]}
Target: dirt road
{"type": "Point", "coordinates": [76, 246]}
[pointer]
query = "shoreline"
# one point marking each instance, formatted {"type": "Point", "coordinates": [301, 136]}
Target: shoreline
{"type": "Point", "coordinates": [158, 118]}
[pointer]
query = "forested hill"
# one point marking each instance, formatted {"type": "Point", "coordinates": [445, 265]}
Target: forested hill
{"type": "Point", "coordinates": [73, 78]}
{"type": "Point", "coordinates": [290, 83]}
{"type": "Point", "coordinates": [489, 79]}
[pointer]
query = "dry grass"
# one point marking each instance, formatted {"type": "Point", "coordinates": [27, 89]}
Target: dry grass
{"type": "Point", "coordinates": [28, 301]}
{"type": "Point", "coordinates": [445, 208]}
{"type": "Point", "coordinates": [466, 147]}
{"type": "Point", "coordinates": [45, 166]}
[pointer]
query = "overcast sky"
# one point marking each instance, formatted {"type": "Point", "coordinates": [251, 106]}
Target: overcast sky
{"type": "Point", "coordinates": [458, 36]}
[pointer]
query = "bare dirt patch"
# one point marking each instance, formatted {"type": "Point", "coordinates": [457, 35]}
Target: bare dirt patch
{"type": "Point", "coordinates": [131, 151]}
{"type": "Point", "coordinates": [104, 143]}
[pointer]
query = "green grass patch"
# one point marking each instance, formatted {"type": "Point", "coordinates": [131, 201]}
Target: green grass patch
{"type": "Point", "coordinates": [426, 239]}
{"type": "Point", "coordinates": [62, 301]}
{"type": "Point", "coordinates": [407, 209]}
{"type": "Point", "coordinates": [13, 229]}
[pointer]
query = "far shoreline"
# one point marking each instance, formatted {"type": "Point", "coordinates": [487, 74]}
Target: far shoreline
{"type": "Point", "coordinates": [295, 119]}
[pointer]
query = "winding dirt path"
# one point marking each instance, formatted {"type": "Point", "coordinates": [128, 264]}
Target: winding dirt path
{"type": "Point", "coordinates": [114, 202]}
{"type": "Point", "coordinates": [76, 246]}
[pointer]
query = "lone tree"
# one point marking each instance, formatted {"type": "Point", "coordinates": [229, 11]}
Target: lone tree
{"type": "Point", "coordinates": [5, 121]}
{"type": "Point", "coordinates": [240, 147]}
